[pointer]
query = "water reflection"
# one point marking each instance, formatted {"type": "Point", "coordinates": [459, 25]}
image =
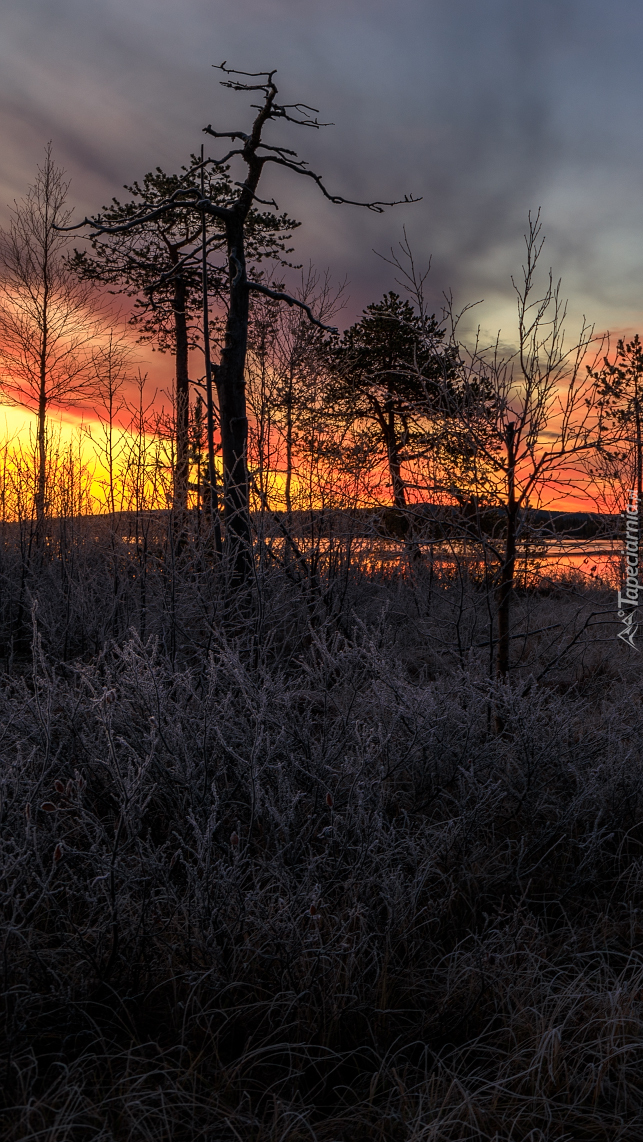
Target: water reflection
{"type": "Point", "coordinates": [595, 561]}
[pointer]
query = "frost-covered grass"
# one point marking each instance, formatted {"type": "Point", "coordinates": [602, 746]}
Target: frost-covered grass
{"type": "Point", "coordinates": [281, 878]}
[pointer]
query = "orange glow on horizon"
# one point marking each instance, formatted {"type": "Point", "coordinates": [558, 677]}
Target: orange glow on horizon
{"type": "Point", "coordinates": [80, 427]}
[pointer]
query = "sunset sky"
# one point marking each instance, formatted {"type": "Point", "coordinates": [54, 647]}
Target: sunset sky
{"type": "Point", "coordinates": [485, 108]}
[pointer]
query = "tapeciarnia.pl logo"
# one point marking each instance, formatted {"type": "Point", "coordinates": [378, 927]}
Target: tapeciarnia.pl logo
{"type": "Point", "coordinates": [628, 596]}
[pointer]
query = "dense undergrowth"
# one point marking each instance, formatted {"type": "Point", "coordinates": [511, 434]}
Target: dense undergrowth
{"type": "Point", "coordinates": [274, 874]}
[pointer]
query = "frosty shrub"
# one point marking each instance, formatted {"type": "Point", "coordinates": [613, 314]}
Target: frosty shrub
{"type": "Point", "coordinates": [287, 881]}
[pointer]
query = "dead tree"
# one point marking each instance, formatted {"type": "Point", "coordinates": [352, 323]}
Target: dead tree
{"type": "Point", "coordinates": [234, 216]}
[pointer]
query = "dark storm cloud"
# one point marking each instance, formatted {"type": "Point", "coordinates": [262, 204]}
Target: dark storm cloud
{"type": "Point", "coordinates": [486, 108]}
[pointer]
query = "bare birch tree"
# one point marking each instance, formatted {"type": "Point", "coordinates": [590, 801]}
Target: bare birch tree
{"type": "Point", "coordinates": [524, 428]}
{"type": "Point", "coordinates": [285, 365]}
{"type": "Point", "coordinates": [48, 319]}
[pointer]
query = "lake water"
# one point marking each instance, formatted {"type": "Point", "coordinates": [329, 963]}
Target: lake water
{"type": "Point", "coordinates": [592, 560]}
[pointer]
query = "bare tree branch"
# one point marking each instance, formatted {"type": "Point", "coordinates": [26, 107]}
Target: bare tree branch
{"type": "Point", "coordinates": [337, 199]}
{"type": "Point", "coordinates": [279, 295]}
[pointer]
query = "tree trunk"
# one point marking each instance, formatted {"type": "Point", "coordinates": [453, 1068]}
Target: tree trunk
{"type": "Point", "coordinates": [182, 394]}
{"type": "Point", "coordinates": [395, 464]}
{"type": "Point", "coordinates": [231, 389]}
{"type": "Point", "coordinates": [289, 446]}
{"type": "Point", "coordinates": [212, 503]}
{"type": "Point", "coordinates": [41, 488]}
{"type": "Point", "coordinates": [508, 570]}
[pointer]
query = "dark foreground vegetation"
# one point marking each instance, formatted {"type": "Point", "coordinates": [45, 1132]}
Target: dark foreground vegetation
{"type": "Point", "coordinates": [320, 820]}
{"type": "Point", "coordinates": [307, 869]}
